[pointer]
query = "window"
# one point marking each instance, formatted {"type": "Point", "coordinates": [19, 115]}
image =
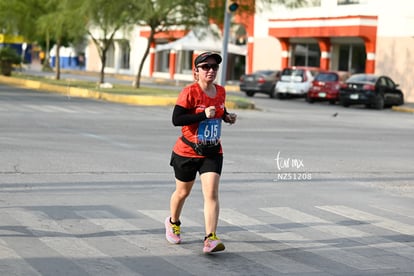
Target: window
{"type": "Point", "coordinates": [351, 2]}
{"type": "Point", "coordinates": [382, 82]}
{"type": "Point", "coordinates": [289, 74]}
{"type": "Point", "coordinates": [352, 58]}
{"type": "Point", "coordinates": [314, 3]}
{"type": "Point", "coordinates": [327, 77]}
{"type": "Point", "coordinates": [390, 83]}
{"type": "Point", "coordinates": [162, 59]}
{"type": "Point", "coordinates": [125, 53]}
{"type": "Point", "coordinates": [306, 55]}
{"type": "Point", "coordinates": [363, 78]}
{"type": "Point", "coordinates": [110, 56]}
{"type": "Point", "coordinates": [184, 62]}
{"type": "Point", "coordinates": [238, 35]}
{"type": "Point", "coordinates": [347, 2]}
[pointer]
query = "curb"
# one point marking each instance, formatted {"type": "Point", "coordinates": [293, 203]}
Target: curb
{"type": "Point", "coordinates": [229, 87]}
{"type": "Point", "coordinates": [403, 109]}
{"type": "Point", "coordinates": [125, 99]}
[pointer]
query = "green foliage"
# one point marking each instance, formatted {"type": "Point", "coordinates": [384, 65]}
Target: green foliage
{"type": "Point", "coordinates": [161, 15]}
{"type": "Point", "coordinates": [103, 19]}
{"type": "Point", "coordinates": [8, 57]}
{"type": "Point", "coordinates": [166, 15]}
{"type": "Point", "coordinates": [46, 22]}
{"type": "Point", "coordinates": [65, 22]}
{"type": "Point", "coordinates": [8, 54]}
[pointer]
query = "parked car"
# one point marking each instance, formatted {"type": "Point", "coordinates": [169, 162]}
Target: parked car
{"type": "Point", "coordinates": [295, 81]}
{"type": "Point", "coordinates": [326, 85]}
{"type": "Point", "coordinates": [371, 90]}
{"type": "Point", "coordinates": [262, 81]}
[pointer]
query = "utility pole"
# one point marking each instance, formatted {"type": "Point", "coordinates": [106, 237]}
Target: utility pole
{"type": "Point", "coordinates": [231, 7]}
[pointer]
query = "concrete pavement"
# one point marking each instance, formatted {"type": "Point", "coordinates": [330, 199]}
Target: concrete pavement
{"type": "Point", "coordinates": [85, 188]}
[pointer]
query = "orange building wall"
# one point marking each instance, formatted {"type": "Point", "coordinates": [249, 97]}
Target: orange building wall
{"type": "Point", "coordinates": [397, 51]}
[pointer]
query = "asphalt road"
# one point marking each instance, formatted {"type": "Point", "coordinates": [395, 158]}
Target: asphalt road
{"type": "Point", "coordinates": [306, 190]}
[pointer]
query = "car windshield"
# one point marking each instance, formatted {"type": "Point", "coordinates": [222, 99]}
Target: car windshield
{"type": "Point", "coordinates": [265, 72]}
{"type": "Point", "coordinates": [326, 77]}
{"type": "Point", "coordinates": [363, 78]}
{"type": "Point", "coordinates": [292, 72]}
{"type": "Point", "coordinates": [292, 75]}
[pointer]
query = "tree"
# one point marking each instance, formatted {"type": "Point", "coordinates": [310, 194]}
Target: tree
{"type": "Point", "coordinates": [8, 57]}
{"type": "Point", "coordinates": [43, 20]}
{"type": "Point", "coordinates": [103, 20]}
{"type": "Point", "coordinates": [164, 15]}
{"type": "Point", "coordinates": [18, 17]}
{"type": "Point", "coordinates": [65, 21]}
{"type": "Point", "coordinates": [59, 22]}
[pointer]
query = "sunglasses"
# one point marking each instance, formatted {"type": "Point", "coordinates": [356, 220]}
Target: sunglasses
{"type": "Point", "coordinates": [207, 67]}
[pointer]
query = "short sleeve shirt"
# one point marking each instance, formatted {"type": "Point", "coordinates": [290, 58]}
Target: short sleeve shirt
{"type": "Point", "coordinates": [194, 99]}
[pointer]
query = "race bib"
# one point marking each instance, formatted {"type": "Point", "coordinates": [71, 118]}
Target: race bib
{"type": "Point", "coordinates": [209, 131]}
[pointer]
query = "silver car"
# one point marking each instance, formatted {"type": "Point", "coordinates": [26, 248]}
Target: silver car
{"type": "Point", "coordinates": [295, 81]}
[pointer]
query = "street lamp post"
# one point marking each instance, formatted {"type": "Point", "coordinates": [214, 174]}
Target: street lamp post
{"type": "Point", "coordinates": [231, 6]}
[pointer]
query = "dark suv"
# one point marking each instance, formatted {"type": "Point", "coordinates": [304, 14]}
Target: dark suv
{"type": "Point", "coordinates": [371, 90]}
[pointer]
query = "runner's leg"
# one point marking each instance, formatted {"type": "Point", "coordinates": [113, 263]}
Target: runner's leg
{"type": "Point", "coordinates": [210, 186]}
{"type": "Point", "coordinates": [182, 191]}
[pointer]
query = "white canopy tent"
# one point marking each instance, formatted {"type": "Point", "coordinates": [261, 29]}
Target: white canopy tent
{"type": "Point", "coordinates": [203, 42]}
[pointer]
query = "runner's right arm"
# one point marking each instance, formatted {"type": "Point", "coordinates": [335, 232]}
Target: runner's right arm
{"type": "Point", "coordinates": [182, 116]}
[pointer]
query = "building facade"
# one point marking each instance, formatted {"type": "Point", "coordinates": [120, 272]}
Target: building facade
{"type": "Point", "coordinates": [372, 36]}
{"type": "Point", "coordinates": [17, 43]}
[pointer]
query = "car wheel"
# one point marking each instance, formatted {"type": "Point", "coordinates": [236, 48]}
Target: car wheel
{"type": "Point", "coordinates": [379, 102]}
{"type": "Point", "coordinates": [344, 103]}
{"type": "Point", "coordinates": [249, 93]}
{"type": "Point", "coordinates": [280, 96]}
{"type": "Point", "coordinates": [272, 92]}
{"type": "Point", "coordinates": [401, 102]}
{"type": "Point", "coordinates": [332, 102]}
{"type": "Point", "coordinates": [309, 99]}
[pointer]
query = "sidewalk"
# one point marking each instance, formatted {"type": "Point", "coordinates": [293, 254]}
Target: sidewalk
{"type": "Point", "coordinates": [36, 69]}
{"type": "Point", "coordinates": [107, 96]}
{"type": "Point", "coordinates": [407, 107]}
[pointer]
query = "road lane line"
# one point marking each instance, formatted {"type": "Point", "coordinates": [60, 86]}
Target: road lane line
{"type": "Point", "coordinates": [298, 241]}
{"type": "Point", "coordinates": [13, 264]}
{"type": "Point", "coordinates": [309, 220]}
{"type": "Point", "coordinates": [363, 238]}
{"type": "Point", "coordinates": [237, 246]}
{"type": "Point", "coordinates": [372, 219]}
{"type": "Point", "coordinates": [57, 238]}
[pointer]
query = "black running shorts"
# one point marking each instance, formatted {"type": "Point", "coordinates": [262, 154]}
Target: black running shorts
{"type": "Point", "coordinates": [186, 168]}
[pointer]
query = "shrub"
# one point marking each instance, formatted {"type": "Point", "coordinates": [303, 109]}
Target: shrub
{"type": "Point", "coordinates": [9, 54]}
{"type": "Point", "coordinates": [8, 57]}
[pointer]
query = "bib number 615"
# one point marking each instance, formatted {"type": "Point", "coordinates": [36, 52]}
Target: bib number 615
{"type": "Point", "coordinates": [209, 130]}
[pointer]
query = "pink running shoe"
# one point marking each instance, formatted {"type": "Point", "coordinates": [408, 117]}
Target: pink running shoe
{"type": "Point", "coordinates": [213, 244]}
{"type": "Point", "coordinates": [172, 232]}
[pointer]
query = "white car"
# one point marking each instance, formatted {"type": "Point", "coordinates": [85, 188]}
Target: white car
{"type": "Point", "coordinates": [295, 81]}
